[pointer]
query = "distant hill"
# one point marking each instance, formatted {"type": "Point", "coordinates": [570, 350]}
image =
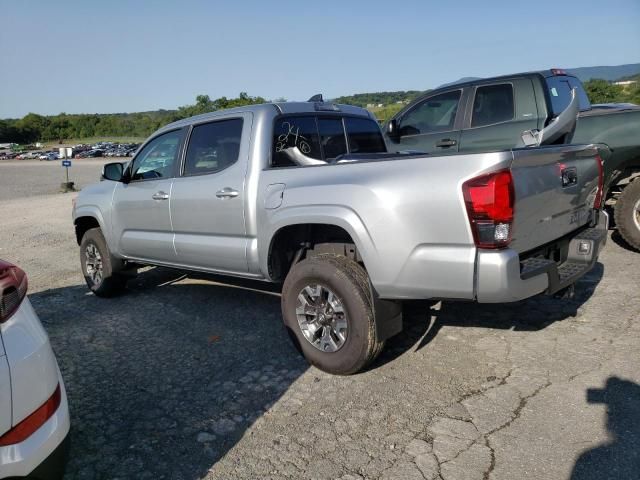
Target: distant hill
{"type": "Point", "coordinates": [610, 73]}
{"type": "Point", "coordinates": [630, 77]}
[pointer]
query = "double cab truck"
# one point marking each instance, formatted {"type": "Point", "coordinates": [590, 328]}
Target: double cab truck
{"type": "Point", "coordinates": [305, 194]}
{"type": "Point", "coordinates": [490, 114]}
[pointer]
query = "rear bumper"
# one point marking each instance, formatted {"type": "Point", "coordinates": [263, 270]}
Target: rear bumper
{"type": "Point", "coordinates": [503, 277]}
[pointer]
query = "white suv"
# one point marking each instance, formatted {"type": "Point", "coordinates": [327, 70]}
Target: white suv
{"type": "Point", "coordinates": [34, 414]}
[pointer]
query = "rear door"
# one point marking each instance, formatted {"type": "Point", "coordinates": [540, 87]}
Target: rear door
{"type": "Point", "coordinates": [555, 189]}
{"type": "Point", "coordinates": [208, 198]}
{"type": "Point", "coordinates": [141, 220]}
{"type": "Point", "coordinates": [432, 125]}
{"type": "Point", "coordinates": [498, 115]}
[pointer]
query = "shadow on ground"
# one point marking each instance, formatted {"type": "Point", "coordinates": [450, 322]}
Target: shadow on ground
{"type": "Point", "coordinates": [620, 457]}
{"type": "Point", "coordinates": [423, 320]}
{"type": "Point", "coordinates": [621, 242]}
{"type": "Point", "coordinates": [165, 379]}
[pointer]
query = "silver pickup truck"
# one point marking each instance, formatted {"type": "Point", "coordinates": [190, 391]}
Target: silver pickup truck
{"type": "Point", "coordinates": [307, 195]}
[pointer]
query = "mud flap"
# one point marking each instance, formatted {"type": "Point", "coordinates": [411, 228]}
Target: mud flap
{"type": "Point", "coordinates": [387, 314]}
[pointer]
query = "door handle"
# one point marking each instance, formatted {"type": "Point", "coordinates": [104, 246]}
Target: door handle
{"type": "Point", "coordinates": [160, 195]}
{"type": "Point", "coordinates": [445, 143]}
{"type": "Point", "coordinates": [227, 192]}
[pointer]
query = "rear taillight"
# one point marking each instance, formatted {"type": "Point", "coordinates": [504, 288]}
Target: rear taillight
{"type": "Point", "coordinates": [489, 199]}
{"type": "Point", "coordinates": [33, 422]}
{"type": "Point", "coordinates": [597, 202]}
{"type": "Point", "coordinates": [13, 289]}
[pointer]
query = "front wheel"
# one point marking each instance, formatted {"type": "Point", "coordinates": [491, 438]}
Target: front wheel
{"type": "Point", "coordinates": [99, 267]}
{"type": "Point", "coordinates": [627, 214]}
{"type": "Point", "coordinates": [327, 308]}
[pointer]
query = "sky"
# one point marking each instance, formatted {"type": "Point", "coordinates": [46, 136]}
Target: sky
{"type": "Point", "coordinates": [90, 56]}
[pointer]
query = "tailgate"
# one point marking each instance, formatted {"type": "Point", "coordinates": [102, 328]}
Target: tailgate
{"type": "Point", "coordinates": [555, 188]}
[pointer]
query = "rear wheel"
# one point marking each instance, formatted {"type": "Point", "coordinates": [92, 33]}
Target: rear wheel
{"type": "Point", "coordinates": [627, 214]}
{"type": "Point", "coordinates": [327, 307]}
{"type": "Point", "coordinates": [99, 267]}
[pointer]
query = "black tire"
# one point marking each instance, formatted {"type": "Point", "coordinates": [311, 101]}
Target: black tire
{"type": "Point", "coordinates": [348, 281]}
{"type": "Point", "coordinates": [110, 282]}
{"type": "Point", "coordinates": [627, 216]}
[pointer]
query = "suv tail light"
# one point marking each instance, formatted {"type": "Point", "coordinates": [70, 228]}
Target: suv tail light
{"type": "Point", "coordinates": [597, 202]}
{"type": "Point", "coordinates": [13, 289]}
{"type": "Point", "coordinates": [489, 199]}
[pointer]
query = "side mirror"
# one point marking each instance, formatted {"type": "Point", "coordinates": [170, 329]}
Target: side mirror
{"type": "Point", "coordinates": [112, 171]}
{"type": "Point", "coordinates": [392, 129]}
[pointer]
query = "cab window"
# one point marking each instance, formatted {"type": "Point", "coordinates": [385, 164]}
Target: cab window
{"type": "Point", "coordinates": [332, 137]}
{"type": "Point", "coordinates": [158, 157]}
{"type": "Point", "coordinates": [293, 132]}
{"type": "Point", "coordinates": [323, 138]}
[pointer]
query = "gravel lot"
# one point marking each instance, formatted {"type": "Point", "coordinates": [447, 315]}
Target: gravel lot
{"type": "Point", "coordinates": [191, 377]}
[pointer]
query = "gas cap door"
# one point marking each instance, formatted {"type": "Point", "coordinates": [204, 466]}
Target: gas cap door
{"type": "Point", "coordinates": [273, 195]}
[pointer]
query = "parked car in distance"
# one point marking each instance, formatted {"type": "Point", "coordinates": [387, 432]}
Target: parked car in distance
{"type": "Point", "coordinates": [34, 414]}
{"type": "Point", "coordinates": [305, 193]}
{"type": "Point", "coordinates": [490, 114]}
{"type": "Point", "coordinates": [49, 156]}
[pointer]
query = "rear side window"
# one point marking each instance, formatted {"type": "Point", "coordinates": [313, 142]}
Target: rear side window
{"type": "Point", "coordinates": [560, 93]}
{"type": "Point", "coordinates": [213, 147]}
{"type": "Point", "coordinates": [493, 104]}
{"type": "Point", "coordinates": [364, 136]}
{"type": "Point", "coordinates": [291, 133]}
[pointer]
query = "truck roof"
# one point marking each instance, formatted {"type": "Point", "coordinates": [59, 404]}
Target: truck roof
{"type": "Point", "coordinates": [278, 108]}
{"type": "Point", "coordinates": [552, 72]}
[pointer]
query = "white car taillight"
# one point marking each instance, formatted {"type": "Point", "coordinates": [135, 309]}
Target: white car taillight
{"type": "Point", "coordinates": [13, 289]}
{"type": "Point", "coordinates": [490, 200]}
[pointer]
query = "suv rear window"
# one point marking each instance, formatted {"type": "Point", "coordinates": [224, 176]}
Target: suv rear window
{"type": "Point", "coordinates": [323, 138]}
{"type": "Point", "coordinates": [560, 93]}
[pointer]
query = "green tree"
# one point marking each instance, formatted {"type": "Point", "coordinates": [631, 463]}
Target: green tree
{"type": "Point", "coordinates": [601, 91]}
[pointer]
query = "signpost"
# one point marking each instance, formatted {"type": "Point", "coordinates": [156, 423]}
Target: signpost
{"type": "Point", "coordinates": [68, 186]}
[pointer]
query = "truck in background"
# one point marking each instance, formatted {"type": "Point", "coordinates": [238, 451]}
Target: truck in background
{"type": "Point", "coordinates": [490, 114]}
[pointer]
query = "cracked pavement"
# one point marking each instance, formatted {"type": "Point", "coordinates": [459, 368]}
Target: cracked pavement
{"type": "Point", "coordinates": [193, 376]}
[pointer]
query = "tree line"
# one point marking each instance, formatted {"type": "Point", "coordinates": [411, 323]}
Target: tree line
{"type": "Point", "coordinates": [33, 127]}
{"type": "Point", "coordinates": [601, 91]}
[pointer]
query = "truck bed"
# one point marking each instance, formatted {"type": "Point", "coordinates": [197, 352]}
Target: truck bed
{"type": "Point", "coordinates": [408, 216]}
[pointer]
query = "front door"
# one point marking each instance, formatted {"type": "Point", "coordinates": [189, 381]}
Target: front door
{"type": "Point", "coordinates": [208, 198]}
{"type": "Point", "coordinates": [430, 126]}
{"type": "Point", "coordinates": [141, 217]}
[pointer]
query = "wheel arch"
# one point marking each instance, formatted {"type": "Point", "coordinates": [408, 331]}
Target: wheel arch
{"type": "Point", "coordinates": [87, 218]}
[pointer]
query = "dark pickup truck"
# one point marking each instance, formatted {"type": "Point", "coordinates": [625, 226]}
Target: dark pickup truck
{"type": "Point", "coordinates": [491, 114]}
